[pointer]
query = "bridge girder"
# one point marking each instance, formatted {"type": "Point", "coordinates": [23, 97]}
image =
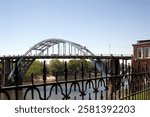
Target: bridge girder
{"type": "Point", "coordinates": [53, 43]}
{"type": "Point", "coordinates": [41, 47]}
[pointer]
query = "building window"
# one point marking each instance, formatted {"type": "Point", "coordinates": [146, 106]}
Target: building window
{"type": "Point", "coordinates": [146, 52]}
{"type": "Point", "coordinates": [139, 53]}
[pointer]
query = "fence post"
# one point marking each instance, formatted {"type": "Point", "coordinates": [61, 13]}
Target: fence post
{"type": "Point", "coordinates": [16, 81]}
{"type": "Point", "coordinates": [66, 77]}
{"type": "Point", "coordinates": [75, 78]}
{"type": "Point", "coordinates": [44, 80]}
{"type": "Point", "coordinates": [106, 71]}
{"type": "Point", "coordinates": [82, 75]}
{"type": "Point", "coordinates": [56, 89]}
{"type": "Point", "coordinates": [96, 87]}
{"type": "Point", "coordinates": [32, 91]}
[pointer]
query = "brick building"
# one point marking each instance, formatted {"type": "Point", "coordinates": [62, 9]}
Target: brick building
{"type": "Point", "coordinates": [141, 53]}
{"type": "Point", "coordinates": [140, 64]}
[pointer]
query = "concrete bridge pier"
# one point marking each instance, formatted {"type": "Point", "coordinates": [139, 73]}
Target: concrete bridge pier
{"type": "Point", "coordinates": [115, 70]}
{"type": "Point", "coordinates": [1, 72]}
{"type": "Point", "coordinates": [6, 66]}
{"type": "Point", "coordinates": [6, 70]}
{"type": "Point", "coordinates": [11, 64]}
{"type": "Point", "coordinates": [115, 67]}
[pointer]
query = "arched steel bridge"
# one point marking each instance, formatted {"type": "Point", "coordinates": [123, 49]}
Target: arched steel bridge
{"type": "Point", "coordinates": [52, 47]}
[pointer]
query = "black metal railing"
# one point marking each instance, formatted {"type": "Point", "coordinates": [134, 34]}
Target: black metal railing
{"type": "Point", "coordinates": [129, 84]}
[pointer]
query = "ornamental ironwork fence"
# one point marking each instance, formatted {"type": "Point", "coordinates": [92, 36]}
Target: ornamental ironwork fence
{"type": "Point", "coordinates": [129, 84]}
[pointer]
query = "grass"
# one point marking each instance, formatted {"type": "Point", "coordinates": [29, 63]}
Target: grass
{"type": "Point", "coordinates": [144, 95]}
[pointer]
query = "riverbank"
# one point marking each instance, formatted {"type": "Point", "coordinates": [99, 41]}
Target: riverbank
{"type": "Point", "coordinates": [39, 79]}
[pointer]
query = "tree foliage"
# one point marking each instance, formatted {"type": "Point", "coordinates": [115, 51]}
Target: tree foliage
{"type": "Point", "coordinates": [36, 68]}
{"type": "Point", "coordinates": [56, 66]}
{"type": "Point", "coordinates": [72, 66]}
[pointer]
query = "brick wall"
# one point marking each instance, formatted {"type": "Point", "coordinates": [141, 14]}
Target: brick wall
{"type": "Point", "coordinates": [142, 61]}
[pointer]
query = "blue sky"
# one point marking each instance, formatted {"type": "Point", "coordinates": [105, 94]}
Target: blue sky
{"type": "Point", "coordinates": [92, 23]}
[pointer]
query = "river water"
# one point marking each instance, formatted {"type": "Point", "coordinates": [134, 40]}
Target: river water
{"type": "Point", "coordinates": [73, 95]}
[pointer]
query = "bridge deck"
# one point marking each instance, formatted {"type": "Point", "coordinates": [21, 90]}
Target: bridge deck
{"type": "Point", "coordinates": [127, 57]}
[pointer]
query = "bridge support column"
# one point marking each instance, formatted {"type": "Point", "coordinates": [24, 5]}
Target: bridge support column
{"type": "Point", "coordinates": [115, 70]}
{"type": "Point", "coordinates": [58, 49]}
{"type": "Point", "coordinates": [115, 67]}
{"type": "Point", "coordinates": [69, 48]}
{"type": "Point", "coordinates": [48, 51]}
{"type": "Point", "coordinates": [52, 49]}
{"type": "Point", "coordinates": [1, 72]}
{"type": "Point", "coordinates": [6, 66]}
{"type": "Point", "coordinates": [64, 48]}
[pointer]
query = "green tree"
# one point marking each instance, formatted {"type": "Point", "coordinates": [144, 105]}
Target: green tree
{"type": "Point", "coordinates": [87, 66]}
{"type": "Point", "coordinates": [56, 66]}
{"type": "Point", "coordinates": [72, 66]}
{"type": "Point", "coordinates": [36, 68]}
{"type": "Point", "coordinates": [75, 65]}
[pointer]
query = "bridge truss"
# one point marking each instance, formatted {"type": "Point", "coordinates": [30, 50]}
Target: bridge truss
{"type": "Point", "coordinates": [52, 47]}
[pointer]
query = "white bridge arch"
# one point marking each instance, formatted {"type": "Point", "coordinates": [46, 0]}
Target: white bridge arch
{"type": "Point", "coordinates": [52, 47]}
{"type": "Point", "coordinates": [58, 47]}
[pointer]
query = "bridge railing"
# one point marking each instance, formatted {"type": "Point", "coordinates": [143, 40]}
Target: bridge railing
{"type": "Point", "coordinates": [113, 55]}
{"type": "Point", "coordinates": [130, 84]}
